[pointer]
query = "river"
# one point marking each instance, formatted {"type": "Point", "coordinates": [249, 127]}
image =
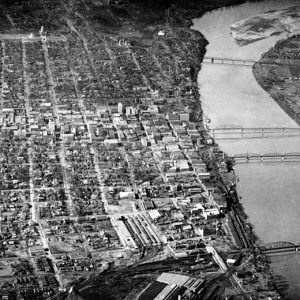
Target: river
{"type": "Point", "coordinates": [231, 95]}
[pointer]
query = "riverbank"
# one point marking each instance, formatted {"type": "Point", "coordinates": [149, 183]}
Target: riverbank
{"type": "Point", "coordinates": [278, 73]}
{"type": "Point", "coordinates": [254, 109]}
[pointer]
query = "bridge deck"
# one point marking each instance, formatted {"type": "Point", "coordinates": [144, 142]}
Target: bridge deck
{"type": "Point", "coordinates": [267, 157]}
{"type": "Point", "coordinates": [282, 250]}
{"type": "Point", "coordinates": [249, 155]}
{"type": "Point", "coordinates": [238, 132]}
{"type": "Point", "coordinates": [255, 129]}
{"type": "Point", "coordinates": [245, 62]}
{"type": "Point", "coordinates": [29, 38]}
{"type": "Point", "coordinates": [228, 60]}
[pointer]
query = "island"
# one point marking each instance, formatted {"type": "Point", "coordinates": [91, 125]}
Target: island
{"type": "Point", "coordinates": [266, 24]}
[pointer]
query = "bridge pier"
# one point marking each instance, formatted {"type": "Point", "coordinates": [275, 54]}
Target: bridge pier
{"type": "Point", "coordinates": [213, 133]}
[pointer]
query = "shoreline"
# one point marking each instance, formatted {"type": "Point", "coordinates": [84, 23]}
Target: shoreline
{"type": "Point", "coordinates": [238, 206]}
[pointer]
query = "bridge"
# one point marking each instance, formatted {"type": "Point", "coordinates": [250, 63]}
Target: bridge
{"type": "Point", "coordinates": [31, 38]}
{"type": "Point", "coordinates": [280, 248]}
{"type": "Point", "coordinates": [267, 157]}
{"type": "Point", "coordinates": [245, 62]}
{"type": "Point", "coordinates": [228, 61]}
{"type": "Point", "coordinates": [238, 132]}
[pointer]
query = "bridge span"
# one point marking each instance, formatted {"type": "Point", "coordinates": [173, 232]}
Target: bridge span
{"type": "Point", "coordinates": [245, 62]}
{"type": "Point", "coordinates": [239, 132]}
{"type": "Point", "coordinates": [228, 61]}
{"type": "Point", "coordinates": [267, 157]}
{"type": "Point", "coordinates": [280, 248]}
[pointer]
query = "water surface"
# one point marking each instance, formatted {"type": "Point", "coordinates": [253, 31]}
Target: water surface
{"type": "Point", "coordinates": [231, 95]}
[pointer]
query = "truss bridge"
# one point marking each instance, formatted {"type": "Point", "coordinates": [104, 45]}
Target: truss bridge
{"type": "Point", "coordinates": [239, 132]}
{"type": "Point", "coordinates": [280, 247]}
{"type": "Point", "coordinates": [228, 61]}
{"type": "Point", "coordinates": [267, 157]}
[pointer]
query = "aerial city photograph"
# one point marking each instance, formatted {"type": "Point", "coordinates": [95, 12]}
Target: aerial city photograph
{"type": "Point", "coordinates": [150, 149]}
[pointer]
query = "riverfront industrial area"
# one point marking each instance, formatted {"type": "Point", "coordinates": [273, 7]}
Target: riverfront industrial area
{"type": "Point", "coordinates": [112, 186]}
